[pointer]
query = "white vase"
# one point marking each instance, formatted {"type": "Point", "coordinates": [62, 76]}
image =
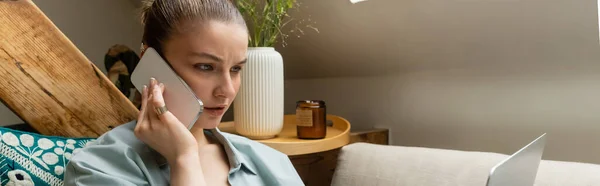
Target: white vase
{"type": "Point", "coordinates": [258, 107]}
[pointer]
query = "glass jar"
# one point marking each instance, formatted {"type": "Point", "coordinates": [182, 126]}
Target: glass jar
{"type": "Point", "coordinates": [311, 119]}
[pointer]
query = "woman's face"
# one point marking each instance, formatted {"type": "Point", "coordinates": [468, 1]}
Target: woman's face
{"type": "Point", "coordinates": [209, 58]}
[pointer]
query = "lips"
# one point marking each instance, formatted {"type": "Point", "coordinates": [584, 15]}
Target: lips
{"type": "Point", "coordinates": [216, 107]}
{"type": "Point", "coordinates": [216, 110]}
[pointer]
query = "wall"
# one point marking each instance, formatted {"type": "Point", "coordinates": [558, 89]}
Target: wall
{"type": "Point", "coordinates": [386, 37]}
{"type": "Point", "coordinates": [468, 110]}
{"type": "Point", "coordinates": [93, 26]}
{"type": "Point", "coordinates": [486, 75]}
{"type": "Point", "coordinates": [483, 75]}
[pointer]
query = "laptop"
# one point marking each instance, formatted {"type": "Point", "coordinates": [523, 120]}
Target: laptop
{"type": "Point", "coordinates": [520, 169]}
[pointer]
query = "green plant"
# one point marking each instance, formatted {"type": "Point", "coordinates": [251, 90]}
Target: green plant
{"type": "Point", "coordinates": [266, 18]}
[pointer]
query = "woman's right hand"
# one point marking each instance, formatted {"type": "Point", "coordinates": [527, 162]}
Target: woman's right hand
{"type": "Point", "coordinates": [163, 133]}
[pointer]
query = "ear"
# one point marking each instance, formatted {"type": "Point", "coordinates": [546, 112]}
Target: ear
{"type": "Point", "coordinates": [143, 49]}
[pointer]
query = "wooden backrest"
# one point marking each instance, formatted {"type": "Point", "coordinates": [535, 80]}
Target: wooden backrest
{"type": "Point", "coordinates": [49, 83]}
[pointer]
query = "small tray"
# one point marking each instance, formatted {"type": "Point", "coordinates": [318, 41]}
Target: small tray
{"type": "Point", "coordinates": [287, 140]}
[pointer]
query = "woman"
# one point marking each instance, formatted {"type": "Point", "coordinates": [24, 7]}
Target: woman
{"type": "Point", "coordinates": [205, 41]}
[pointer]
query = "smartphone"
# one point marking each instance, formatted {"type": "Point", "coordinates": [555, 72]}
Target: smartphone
{"type": "Point", "coordinates": [179, 97]}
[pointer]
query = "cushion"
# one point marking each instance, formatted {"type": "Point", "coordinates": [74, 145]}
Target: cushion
{"type": "Point", "coordinates": [32, 159]}
{"type": "Point", "coordinates": [370, 164]}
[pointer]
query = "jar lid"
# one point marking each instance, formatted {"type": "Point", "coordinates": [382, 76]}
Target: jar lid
{"type": "Point", "coordinates": [313, 102]}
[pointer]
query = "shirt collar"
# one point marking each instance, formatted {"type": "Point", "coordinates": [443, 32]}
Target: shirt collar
{"type": "Point", "coordinates": [237, 160]}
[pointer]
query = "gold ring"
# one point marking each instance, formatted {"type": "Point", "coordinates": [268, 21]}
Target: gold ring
{"type": "Point", "coordinates": [161, 110]}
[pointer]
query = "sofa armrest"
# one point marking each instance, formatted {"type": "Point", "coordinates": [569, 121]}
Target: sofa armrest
{"type": "Point", "coordinates": [370, 164]}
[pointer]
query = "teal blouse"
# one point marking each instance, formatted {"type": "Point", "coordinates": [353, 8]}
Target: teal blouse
{"type": "Point", "coordinates": [119, 158]}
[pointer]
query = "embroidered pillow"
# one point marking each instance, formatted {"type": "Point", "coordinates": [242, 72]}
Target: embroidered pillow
{"type": "Point", "coordinates": [33, 159]}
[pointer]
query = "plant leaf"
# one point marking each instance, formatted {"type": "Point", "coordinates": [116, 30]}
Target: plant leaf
{"type": "Point", "coordinates": [265, 19]}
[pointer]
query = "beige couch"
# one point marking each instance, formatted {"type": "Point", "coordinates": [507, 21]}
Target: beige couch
{"type": "Point", "coordinates": [364, 164]}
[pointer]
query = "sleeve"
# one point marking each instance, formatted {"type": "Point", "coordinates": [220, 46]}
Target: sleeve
{"type": "Point", "coordinates": [108, 164]}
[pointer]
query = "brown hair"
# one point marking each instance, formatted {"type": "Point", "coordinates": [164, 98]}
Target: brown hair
{"type": "Point", "coordinates": [162, 18]}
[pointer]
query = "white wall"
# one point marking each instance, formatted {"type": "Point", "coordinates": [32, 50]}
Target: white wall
{"type": "Point", "coordinates": [93, 26]}
{"type": "Point", "coordinates": [486, 75]}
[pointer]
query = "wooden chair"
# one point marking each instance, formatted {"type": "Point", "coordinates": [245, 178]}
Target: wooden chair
{"type": "Point", "coordinates": [49, 83]}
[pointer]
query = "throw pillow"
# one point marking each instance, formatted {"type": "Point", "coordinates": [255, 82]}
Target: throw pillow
{"type": "Point", "coordinates": [32, 159]}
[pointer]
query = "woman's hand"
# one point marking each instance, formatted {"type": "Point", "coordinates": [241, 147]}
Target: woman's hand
{"type": "Point", "coordinates": [164, 132]}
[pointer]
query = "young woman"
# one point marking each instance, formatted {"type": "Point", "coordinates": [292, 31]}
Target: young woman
{"type": "Point", "coordinates": [205, 41]}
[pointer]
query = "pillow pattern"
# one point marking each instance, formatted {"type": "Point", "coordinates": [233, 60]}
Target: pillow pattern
{"type": "Point", "coordinates": [28, 159]}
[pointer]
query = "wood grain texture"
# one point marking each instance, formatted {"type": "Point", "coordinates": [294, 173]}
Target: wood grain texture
{"type": "Point", "coordinates": [317, 169]}
{"type": "Point", "coordinates": [287, 140]}
{"type": "Point", "coordinates": [375, 136]}
{"type": "Point", "coordinates": [49, 83]}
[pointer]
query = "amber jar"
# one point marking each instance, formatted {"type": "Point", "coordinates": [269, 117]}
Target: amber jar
{"type": "Point", "coordinates": [311, 119]}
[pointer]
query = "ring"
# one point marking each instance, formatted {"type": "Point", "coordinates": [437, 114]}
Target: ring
{"type": "Point", "coordinates": [161, 110]}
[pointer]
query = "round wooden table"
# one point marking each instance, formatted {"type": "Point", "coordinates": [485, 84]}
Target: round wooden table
{"type": "Point", "coordinates": [287, 141]}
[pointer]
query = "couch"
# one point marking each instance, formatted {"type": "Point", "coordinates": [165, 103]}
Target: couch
{"type": "Point", "coordinates": [361, 164]}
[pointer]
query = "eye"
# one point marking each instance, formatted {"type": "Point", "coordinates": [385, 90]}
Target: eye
{"type": "Point", "coordinates": [236, 69]}
{"type": "Point", "coordinates": [203, 67]}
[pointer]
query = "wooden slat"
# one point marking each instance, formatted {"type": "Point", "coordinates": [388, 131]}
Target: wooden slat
{"type": "Point", "coordinates": [49, 83]}
{"type": "Point", "coordinates": [375, 136]}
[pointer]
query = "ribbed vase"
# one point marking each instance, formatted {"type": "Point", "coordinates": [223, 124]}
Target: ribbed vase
{"type": "Point", "coordinates": [258, 107]}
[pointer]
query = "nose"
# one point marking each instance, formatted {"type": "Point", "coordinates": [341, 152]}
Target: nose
{"type": "Point", "coordinates": [225, 87]}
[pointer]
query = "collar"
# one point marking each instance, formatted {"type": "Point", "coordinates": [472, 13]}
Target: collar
{"type": "Point", "coordinates": [237, 160]}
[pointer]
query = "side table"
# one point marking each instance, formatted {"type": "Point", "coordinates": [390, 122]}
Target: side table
{"type": "Point", "coordinates": [315, 160]}
{"type": "Point", "coordinates": [288, 143]}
